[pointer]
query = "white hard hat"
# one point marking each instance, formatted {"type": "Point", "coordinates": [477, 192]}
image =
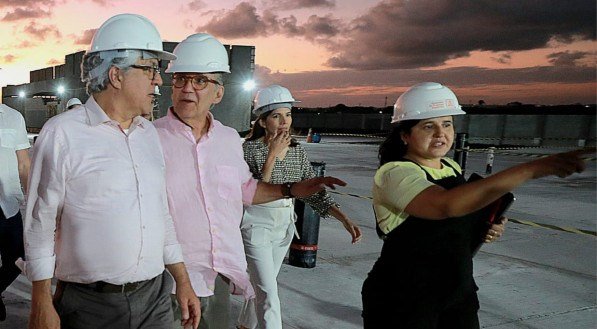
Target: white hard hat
{"type": "Point", "coordinates": [273, 94]}
{"type": "Point", "coordinates": [129, 31]}
{"type": "Point", "coordinates": [73, 102]}
{"type": "Point", "coordinates": [424, 101]}
{"type": "Point", "coordinates": [199, 53]}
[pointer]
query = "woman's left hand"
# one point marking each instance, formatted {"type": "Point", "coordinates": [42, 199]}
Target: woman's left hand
{"type": "Point", "coordinates": [496, 230]}
{"type": "Point", "coordinates": [353, 229]}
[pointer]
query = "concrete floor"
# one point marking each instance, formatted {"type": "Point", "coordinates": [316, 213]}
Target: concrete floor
{"type": "Point", "coordinates": [532, 278]}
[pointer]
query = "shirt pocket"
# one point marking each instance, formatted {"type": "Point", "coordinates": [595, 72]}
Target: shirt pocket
{"type": "Point", "coordinates": [229, 186]}
{"type": "Point", "coordinates": [8, 138]}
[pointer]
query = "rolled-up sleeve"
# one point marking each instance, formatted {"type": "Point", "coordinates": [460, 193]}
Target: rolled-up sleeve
{"type": "Point", "coordinates": [172, 249]}
{"type": "Point", "coordinates": [248, 187]}
{"type": "Point", "coordinates": [246, 169]}
{"type": "Point", "coordinates": [47, 182]}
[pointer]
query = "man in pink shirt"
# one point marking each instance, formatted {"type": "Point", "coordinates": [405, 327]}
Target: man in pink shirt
{"type": "Point", "coordinates": [208, 180]}
{"type": "Point", "coordinates": [97, 214]}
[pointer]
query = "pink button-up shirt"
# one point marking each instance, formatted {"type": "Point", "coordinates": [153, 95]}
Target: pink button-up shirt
{"type": "Point", "coordinates": [208, 182]}
{"type": "Point", "coordinates": [97, 207]}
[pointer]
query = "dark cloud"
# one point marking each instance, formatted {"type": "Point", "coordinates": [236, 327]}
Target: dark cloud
{"type": "Point", "coordinates": [318, 28]}
{"type": "Point", "coordinates": [24, 13]}
{"type": "Point", "coordinates": [240, 22]}
{"type": "Point", "coordinates": [197, 5]}
{"type": "Point", "coordinates": [85, 38]}
{"type": "Point", "coordinates": [369, 87]}
{"type": "Point", "coordinates": [243, 21]}
{"type": "Point", "coordinates": [9, 58]}
{"type": "Point", "coordinates": [299, 4]}
{"type": "Point", "coordinates": [396, 34]}
{"type": "Point", "coordinates": [567, 58]}
{"type": "Point", "coordinates": [41, 32]}
{"type": "Point", "coordinates": [410, 34]}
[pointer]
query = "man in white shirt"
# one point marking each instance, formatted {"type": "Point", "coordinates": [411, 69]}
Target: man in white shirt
{"type": "Point", "coordinates": [97, 215]}
{"type": "Point", "coordinates": [14, 171]}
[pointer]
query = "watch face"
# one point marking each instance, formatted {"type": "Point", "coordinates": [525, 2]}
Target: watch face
{"type": "Point", "coordinates": [286, 192]}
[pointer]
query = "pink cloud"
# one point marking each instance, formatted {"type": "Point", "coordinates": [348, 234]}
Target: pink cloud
{"type": "Point", "coordinates": [24, 13]}
{"type": "Point", "coordinates": [85, 38]}
{"type": "Point", "coordinates": [42, 31]}
{"type": "Point", "coordinates": [9, 58]}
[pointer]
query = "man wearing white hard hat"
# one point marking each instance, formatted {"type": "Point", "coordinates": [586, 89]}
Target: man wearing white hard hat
{"type": "Point", "coordinates": [72, 103]}
{"type": "Point", "coordinates": [97, 217]}
{"type": "Point", "coordinates": [208, 180]}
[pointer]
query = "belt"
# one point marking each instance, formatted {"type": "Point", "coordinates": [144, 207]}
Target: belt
{"type": "Point", "coordinates": [105, 287]}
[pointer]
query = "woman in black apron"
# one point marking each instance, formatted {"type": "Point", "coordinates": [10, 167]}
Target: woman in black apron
{"type": "Point", "coordinates": [426, 213]}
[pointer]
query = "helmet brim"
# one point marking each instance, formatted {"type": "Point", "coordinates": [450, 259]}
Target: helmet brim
{"type": "Point", "coordinates": [164, 55]}
{"type": "Point", "coordinates": [429, 115]}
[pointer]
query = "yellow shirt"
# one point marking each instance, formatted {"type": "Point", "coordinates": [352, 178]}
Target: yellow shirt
{"type": "Point", "coordinates": [396, 184]}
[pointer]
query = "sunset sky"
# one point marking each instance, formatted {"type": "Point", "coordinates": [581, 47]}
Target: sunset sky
{"type": "Point", "coordinates": [347, 51]}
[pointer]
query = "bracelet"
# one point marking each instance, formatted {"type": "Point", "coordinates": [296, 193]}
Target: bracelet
{"type": "Point", "coordinates": [287, 190]}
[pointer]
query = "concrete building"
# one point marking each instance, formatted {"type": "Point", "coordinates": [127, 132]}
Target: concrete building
{"type": "Point", "coordinates": [50, 88]}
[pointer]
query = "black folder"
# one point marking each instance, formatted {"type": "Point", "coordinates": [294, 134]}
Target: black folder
{"type": "Point", "coordinates": [489, 215]}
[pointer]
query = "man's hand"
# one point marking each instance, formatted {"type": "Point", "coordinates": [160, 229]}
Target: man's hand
{"type": "Point", "coordinates": [190, 306]}
{"type": "Point", "coordinates": [311, 186]}
{"type": "Point", "coordinates": [43, 314]}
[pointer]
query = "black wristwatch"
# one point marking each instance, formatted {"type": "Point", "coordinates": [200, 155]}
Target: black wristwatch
{"type": "Point", "coordinates": [287, 190]}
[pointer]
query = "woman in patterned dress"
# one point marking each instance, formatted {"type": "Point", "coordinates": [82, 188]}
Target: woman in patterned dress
{"type": "Point", "coordinates": [267, 229]}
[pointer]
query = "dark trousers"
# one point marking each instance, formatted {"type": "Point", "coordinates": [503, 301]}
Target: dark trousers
{"type": "Point", "coordinates": [147, 307]}
{"type": "Point", "coordinates": [383, 308]}
{"type": "Point", "coordinates": [11, 248]}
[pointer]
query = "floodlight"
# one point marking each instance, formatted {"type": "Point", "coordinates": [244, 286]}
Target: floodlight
{"type": "Point", "coordinates": [249, 85]}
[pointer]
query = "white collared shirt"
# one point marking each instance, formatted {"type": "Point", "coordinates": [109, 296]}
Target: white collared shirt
{"type": "Point", "coordinates": [13, 137]}
{"type": "Point", "coordinates": [104, 195]}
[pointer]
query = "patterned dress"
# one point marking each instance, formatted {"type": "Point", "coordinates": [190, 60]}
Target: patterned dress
{"type": "Point", "coordinates": [295, 167]}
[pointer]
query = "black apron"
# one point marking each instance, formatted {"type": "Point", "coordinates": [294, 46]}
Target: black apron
{"type": "Point", "coordinates": [425, 263]}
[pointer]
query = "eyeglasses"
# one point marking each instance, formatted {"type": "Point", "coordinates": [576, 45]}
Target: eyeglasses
{"type": "Point", "coordinates": [199, 82]}
{"type": "Point", "coordinates": [153, 70]}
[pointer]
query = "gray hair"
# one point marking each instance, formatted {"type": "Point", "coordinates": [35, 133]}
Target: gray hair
{"type": "Point", "coordinates": [219, 77]}
{"type": "Point", "coordinates": [95, 66]}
